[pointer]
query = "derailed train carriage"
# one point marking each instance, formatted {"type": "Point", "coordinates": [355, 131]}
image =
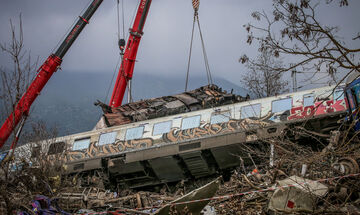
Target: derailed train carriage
{"type": "Point", "coordinates": [190, 135]}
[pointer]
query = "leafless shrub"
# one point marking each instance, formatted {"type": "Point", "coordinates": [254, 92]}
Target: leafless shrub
{"type": "Point", "coordinates": [30, 171]}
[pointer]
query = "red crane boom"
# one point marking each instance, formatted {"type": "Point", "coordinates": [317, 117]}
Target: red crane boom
{"type": "Point", "coordinates": [45, 72]}
{"type": "Point", "coordinates": [128, 62]}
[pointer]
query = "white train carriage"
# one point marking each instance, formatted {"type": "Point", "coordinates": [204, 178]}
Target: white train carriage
{"type": "Point", "coordinates": [193, 144]}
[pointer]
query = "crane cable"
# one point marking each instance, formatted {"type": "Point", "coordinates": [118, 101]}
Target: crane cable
{"type": "Point", "coordinates": [189, 60]}
{"type": "Point", "coordinates": [129, 83]}
{"type": "Point", "coordinates": [121, 41]}
{"type": "Point", "coordinates": [122, 44]}
{"type": "Point", "coordinates": [196, 4]}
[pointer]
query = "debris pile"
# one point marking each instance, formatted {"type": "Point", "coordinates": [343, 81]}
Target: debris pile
{"type": "Point", "coordinates": [100, 199]}
{"type": "Point", "coordinates": [301, 180]}
{"type": "Point", "coordinates": [282, 177]}
{"type": "Point", "coordinates": [95, 199]}
{"type": "Point", "coordinates": [249, 195]}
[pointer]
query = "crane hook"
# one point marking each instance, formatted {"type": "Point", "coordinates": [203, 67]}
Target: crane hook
{"type": "Point", "coordinates": [121, 46]}
{"type": "Point", "coordinates": [196, 4]}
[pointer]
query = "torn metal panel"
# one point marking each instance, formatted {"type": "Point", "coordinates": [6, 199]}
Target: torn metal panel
{"type": "Point", "coordinates": [174, 104]}
{"type": "Point", "coordinates": [206, 191]}
{"type": "Point", "coordinates": [201, 98]}
{"type": "Point", "coordinates": [187, 99]}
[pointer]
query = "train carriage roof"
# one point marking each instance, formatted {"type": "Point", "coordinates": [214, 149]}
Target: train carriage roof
{"type": "Point", "coordinates": [201, 98]}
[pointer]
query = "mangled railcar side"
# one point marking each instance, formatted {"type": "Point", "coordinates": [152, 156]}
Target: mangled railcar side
{"type": "Point", "coordinates": [193, 144]}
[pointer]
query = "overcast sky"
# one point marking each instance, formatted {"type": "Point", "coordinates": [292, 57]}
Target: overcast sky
{"type": "Point", "coordinates": [165, 44]}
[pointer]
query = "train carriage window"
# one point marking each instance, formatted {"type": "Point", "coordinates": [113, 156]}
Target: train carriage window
{"type": "Point", "coordinates": [250, 111]}
{"type": "Point", "coordinates": [107, 138]}
{"type": "Point", "coordinates": [162, 127]}
{"type": "Point", "coordinates": [134, 133]}
{"type": "Point", "coordinates": [281, 105]}
{"type": "Point", "coordinates": [190, 122]}
{"type": "Point", "coordinates": [338, 94]}
{"type": "Point", "coordinates": [56, 148]}
{"type": "Point", "coordinates": [81, 144]}
{"type": "Point", "coordinates": [308, 100]}
{"type": "Point", "coordinates": [220, 118]}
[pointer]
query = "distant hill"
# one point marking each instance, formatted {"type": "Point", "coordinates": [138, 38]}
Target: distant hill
{"type": "Point", "coordinates": [67, 100]}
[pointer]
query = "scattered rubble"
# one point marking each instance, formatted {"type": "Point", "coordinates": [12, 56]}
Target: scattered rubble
{"type": "Point", "coordinates": [99, 199]}
{"type": "Point", "coordinates": [284, 178]}
{"type": "Point", "coordinates": [242, 194]}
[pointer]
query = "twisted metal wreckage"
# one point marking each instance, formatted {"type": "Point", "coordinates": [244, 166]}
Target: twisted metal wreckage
{"type": "Point", "coordinates": [190, 135]}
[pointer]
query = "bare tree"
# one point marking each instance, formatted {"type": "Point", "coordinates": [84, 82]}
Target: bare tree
{"type": "Point", "coordinates": [264, 76]}
{"type": "Point", "coordinates": [15, 78]}
{"type": "Point", "coordinates": [293, 29]}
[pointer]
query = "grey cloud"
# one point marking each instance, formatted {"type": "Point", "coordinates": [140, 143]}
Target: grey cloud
{"type": "Point", "coordinates": [165, 45]}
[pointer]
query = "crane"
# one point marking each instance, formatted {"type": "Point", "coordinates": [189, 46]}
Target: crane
{"type": "Point", "coordinates": [128, 61]}
{"type": "Point", "coordinates": [44, 73]}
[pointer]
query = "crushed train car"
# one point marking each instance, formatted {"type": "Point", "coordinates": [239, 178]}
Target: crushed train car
{"type": "Point", "coordinates": [190, 135]}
